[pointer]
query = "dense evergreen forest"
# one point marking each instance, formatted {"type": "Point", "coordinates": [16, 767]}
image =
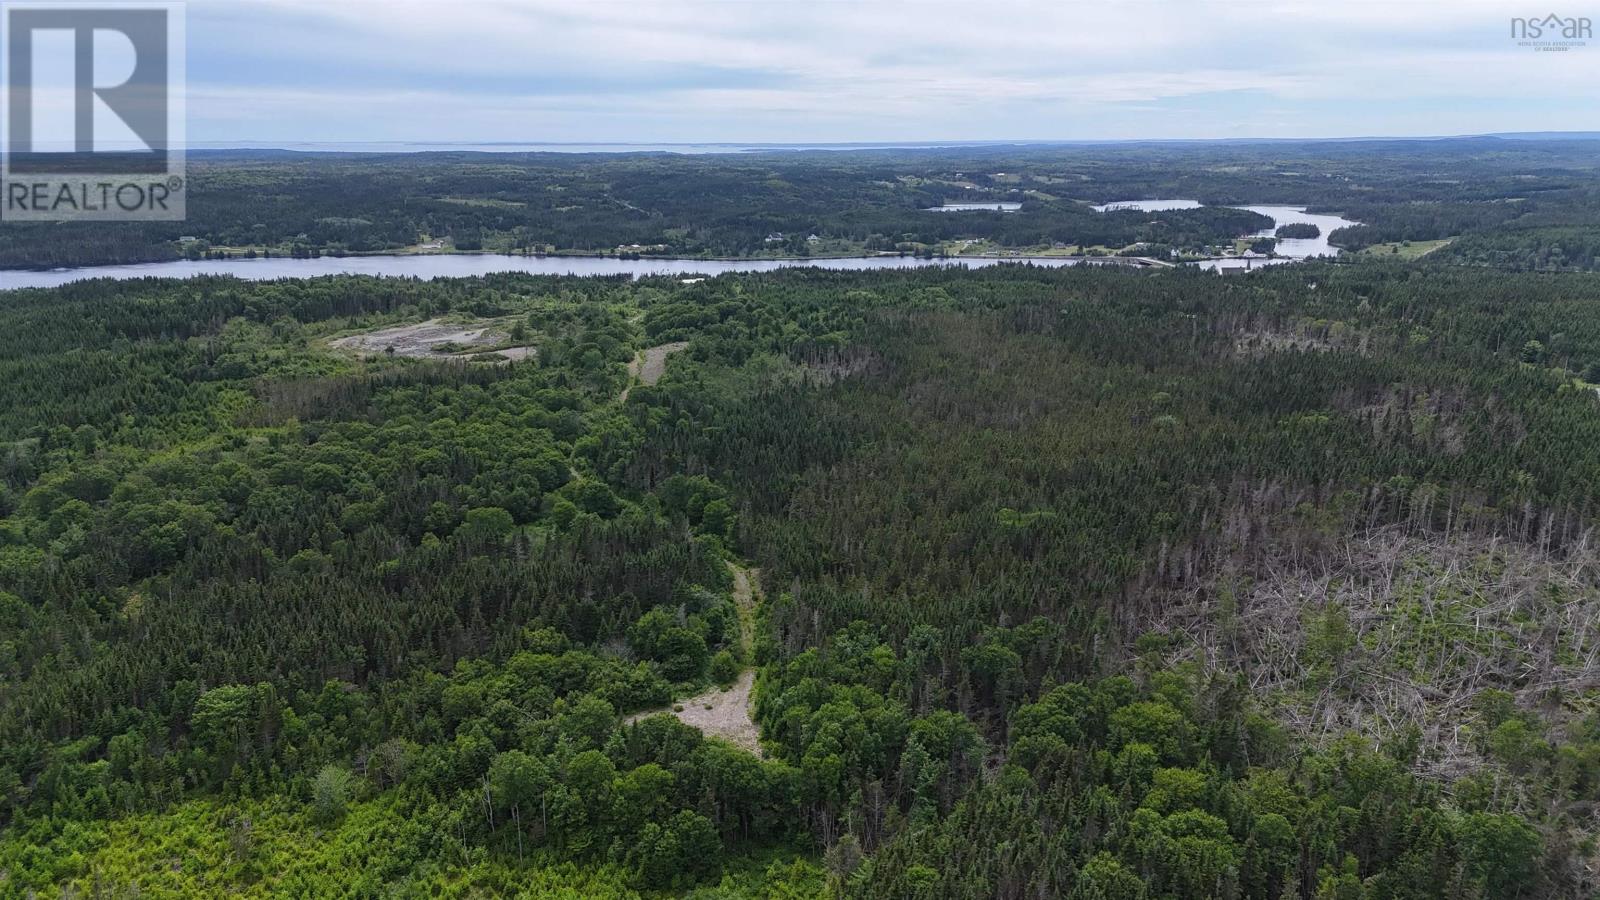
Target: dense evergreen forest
{"type": "Point", "coordinates": [1052, 582]}
{"type": "Point", "coordinates": [1525, 204]}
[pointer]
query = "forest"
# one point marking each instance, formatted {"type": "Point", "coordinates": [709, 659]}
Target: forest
{"type": "Point", "coordinates": [1050, 582]}
{"type": "Point", "coordinates": [1519, 204]}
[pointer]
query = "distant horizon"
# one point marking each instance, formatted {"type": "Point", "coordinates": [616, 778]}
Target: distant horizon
{"type": "Point", "coordinates": [710, 147]}
{"type": "Point", "coordinates": [712, 72]}
{"type": "Point", "coordinates": [293, 145]}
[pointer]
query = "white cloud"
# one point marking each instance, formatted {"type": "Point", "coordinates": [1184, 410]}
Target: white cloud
{"type": "Point", "coordinates": [733, 70]}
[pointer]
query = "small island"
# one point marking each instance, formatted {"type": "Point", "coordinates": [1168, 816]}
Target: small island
{"type": "Point", "coordinates": [1298, 230]}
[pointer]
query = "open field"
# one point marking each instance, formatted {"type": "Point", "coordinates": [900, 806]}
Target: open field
{"type": "Point", "coordinates": [1405, 249]}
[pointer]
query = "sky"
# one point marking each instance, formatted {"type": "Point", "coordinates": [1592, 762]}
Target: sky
{"type": "Point", "coordinates": [265, 72]}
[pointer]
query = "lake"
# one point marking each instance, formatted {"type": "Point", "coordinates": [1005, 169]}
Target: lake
{"type": "Point", "coordinates": [428, 267]}
{"type": "Point", "coordinates": [1301, 248]}
{"type": "Point", "coordinates": [1290, 249]}
{"type": "Point", "coordinates": [1147, 205]}
{"type": "Point", "coordinates": [465, 265]}
{"type": "Point", "coordinates": [975, 207]}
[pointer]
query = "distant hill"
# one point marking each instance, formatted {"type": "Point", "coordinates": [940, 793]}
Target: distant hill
{"type": "Point", "coordinates": [1548, 135]}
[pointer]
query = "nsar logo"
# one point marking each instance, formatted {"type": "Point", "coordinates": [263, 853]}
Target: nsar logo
{"type": "Point", "coordinates": [1552, 32]}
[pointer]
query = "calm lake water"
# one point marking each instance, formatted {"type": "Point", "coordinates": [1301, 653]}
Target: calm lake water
{"type": "Point", "coordinates": [465, 265]}
{"type": "Point", "coordinates": [1148, 205]}
{"type": "Point", "coordinates": [462, 265]}
{"type": "Point", "coordinates": [1301, 248]}
{"type": "Point", "coordinates": [970, 207]}
{"type": "Point", "coordinates": [1289, 249]}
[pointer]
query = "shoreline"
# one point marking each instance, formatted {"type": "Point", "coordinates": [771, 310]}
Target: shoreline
{"type": "Point", "coordinates": [387, 254]}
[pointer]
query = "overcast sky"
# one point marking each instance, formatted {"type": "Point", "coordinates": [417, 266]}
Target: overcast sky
{"type": "Point", "coordinates": [274, 71]}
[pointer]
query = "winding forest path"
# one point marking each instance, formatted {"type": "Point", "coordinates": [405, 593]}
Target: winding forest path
{"type": "Point", "coordinates": [648, 367]}
{"type": "Point", "coordinates": [719, 712]}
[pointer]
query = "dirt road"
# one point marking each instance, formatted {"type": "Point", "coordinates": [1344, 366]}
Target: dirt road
{"type": "Point", "coordinates": [433, 339]}
{"type": "Point", "coordinates": [649, 366]}
{"type": "Point", "coordinates": [727, 713]}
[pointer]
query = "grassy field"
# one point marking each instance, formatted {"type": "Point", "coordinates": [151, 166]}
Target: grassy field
{"type": "Point", "coordinates": [1405, 249]}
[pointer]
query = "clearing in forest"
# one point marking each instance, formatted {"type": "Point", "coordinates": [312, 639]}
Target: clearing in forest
{"type": "Point", "coordinates": [434, 339]}
{"type": "Point", "coordinates": [1396, 629]}
{"type": "Point", "coordinates": [650, 365]}
{"type": "Point", "coordinates": [1405, 249]}
{"type": "Point", "coordinates": [726, 712]}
